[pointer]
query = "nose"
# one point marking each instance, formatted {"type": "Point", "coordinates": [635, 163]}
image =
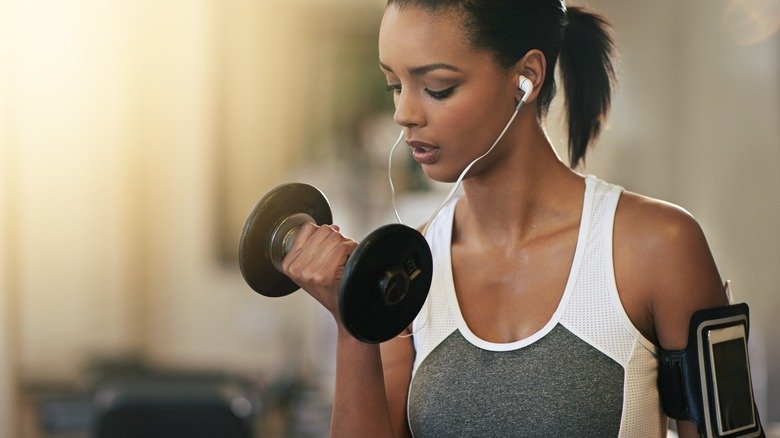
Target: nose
{"type": "Point", "coordinates": [408, 110]}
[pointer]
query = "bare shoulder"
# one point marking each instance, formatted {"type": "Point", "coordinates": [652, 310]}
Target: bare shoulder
{"type": "Point", "coordinates": [656, 225]}
{"type": "Point", "coordinates": [664, 266]}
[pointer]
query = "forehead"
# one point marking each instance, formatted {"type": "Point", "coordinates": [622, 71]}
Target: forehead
{"type": "Point", "coordinates": [412, 36]}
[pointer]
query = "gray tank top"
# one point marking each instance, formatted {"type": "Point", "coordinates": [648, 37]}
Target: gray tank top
{"type": "Point", "coordinates": [587, 373]}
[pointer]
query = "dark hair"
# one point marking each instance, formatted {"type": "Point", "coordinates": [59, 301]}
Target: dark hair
{"type": "Point", "coordinates": [581, 39]}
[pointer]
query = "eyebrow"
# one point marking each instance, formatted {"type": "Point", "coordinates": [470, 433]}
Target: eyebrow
{"type": "Point", "coordinates": [423, 69]}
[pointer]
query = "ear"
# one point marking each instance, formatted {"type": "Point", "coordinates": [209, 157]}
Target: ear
{"type": "Point", "coordinates": [533, 66]}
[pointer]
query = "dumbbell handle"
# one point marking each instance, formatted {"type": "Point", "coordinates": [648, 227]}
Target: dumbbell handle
{"type": "Point", "coordinates": [284, 235]}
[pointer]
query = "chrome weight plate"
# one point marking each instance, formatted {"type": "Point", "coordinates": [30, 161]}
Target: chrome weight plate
{"type": "Point", "coordinates": [261, 231]}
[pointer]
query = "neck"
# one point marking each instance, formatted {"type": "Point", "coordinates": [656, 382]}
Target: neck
{"type": "Point", "coordinates": [520, 192]}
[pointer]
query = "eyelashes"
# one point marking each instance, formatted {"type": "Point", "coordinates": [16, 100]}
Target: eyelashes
{"type": "Point", "coordinates": [436, 94]}
{"type": "Point", "coordinates": [440, 95]}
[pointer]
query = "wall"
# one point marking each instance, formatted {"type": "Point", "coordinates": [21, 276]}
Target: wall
{"type": "Point", "coordinates": [7, 377]}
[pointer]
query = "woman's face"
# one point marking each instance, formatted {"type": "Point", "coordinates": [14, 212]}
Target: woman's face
{"type": "Point", "coordinates": [451, 100]}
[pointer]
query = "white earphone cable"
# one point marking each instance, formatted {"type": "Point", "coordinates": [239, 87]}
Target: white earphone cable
{"type": "Point", "coordinates": [390, 175]}
{"type": "Point", "coordinates": [455, 187]}
{"type": "Point", "coordinates": [433, 217]}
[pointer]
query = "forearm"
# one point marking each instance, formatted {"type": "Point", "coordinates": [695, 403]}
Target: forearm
{"type": "Point", "coordinates": [315, 263]}
{"type": "Point", "coordinates": [360, 407]}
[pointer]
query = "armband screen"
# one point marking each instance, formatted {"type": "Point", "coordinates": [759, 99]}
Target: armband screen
{"type": "Point", "coordinates": [731, 371]}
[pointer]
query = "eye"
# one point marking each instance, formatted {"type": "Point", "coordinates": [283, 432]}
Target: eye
{"type": "Point", "coordinates": [440, 95]}
{"type": "Point", "coordinates": [395, 88]}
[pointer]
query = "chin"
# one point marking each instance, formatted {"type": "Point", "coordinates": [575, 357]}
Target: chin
{"type": "Point", "coordinates": [439, 174]}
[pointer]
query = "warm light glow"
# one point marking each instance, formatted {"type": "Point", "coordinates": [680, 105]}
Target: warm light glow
{"type": "Point", "coordinates": [751, 21]}
{"type": "Point", "coordinates": [125, 122]}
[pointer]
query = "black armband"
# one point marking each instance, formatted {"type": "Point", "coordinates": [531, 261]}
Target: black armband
{"type": "Point", "coordinates": [709, 381]}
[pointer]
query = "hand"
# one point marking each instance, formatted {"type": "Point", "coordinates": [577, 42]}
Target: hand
{"type": "Point", "coordinates": [316, 262]}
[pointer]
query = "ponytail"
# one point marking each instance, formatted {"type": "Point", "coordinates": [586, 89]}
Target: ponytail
{"type": "Point", "coordinates": [587, 67]}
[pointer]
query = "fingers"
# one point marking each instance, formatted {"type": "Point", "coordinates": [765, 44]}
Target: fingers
{"type": "Point", "coordinates": [316, 260]}
{"type": "Point", "coordinates": [311, 246]}
{"type": "Point", "coordinates": [337, 258]}
{"type": "Point", "coordinates": [302, 237]}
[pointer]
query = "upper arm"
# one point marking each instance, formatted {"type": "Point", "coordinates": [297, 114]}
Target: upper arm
{"type": "Point", "coordinates": [667, 265]}
{"type": "Point", "coordinates": [397, 361]}
{"type": "Point", "coordinates": [686, 278]}
{"type": "Point", "coordinates": [671, 269]}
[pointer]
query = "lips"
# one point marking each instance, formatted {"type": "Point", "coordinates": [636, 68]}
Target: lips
{"type": "Point", "coordinates": [423, 153]}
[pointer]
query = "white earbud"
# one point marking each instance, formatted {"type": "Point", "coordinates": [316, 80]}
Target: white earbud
{"type": "Point", "coordinates": [526, 86]}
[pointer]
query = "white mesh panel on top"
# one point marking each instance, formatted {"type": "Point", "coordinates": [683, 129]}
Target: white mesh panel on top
{"type": "Point", "coordinates": [595, 314]}
{"type": "Point", "coordinates": [642, 413]}
{"type": "Point", "coordinates": [590, 314]}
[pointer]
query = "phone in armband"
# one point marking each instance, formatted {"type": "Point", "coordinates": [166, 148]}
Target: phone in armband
{"type": "Point", "coordinates": [709, 381]}
{"type": "Point", "coordinates": [730, 369]}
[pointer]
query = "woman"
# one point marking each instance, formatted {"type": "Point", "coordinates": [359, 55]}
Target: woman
{"type": "Point", "coordinates": [552, 290]}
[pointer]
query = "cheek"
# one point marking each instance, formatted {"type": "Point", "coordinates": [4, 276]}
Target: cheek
{"type": "Point", "coordinates": [474, 121]}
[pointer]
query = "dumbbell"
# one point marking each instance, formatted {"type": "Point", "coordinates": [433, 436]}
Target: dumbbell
{"type": "Point", "coordinates": [385, 280]}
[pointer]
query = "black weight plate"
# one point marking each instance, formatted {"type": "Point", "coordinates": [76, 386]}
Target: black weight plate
{"type": "Point", "coordinates": [363, 311]}
{"type": "Point", "coordinates": [254, 253]}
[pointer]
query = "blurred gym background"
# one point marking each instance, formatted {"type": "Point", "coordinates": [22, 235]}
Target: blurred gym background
{"type": "Point", "coordinates": [135, 137]}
